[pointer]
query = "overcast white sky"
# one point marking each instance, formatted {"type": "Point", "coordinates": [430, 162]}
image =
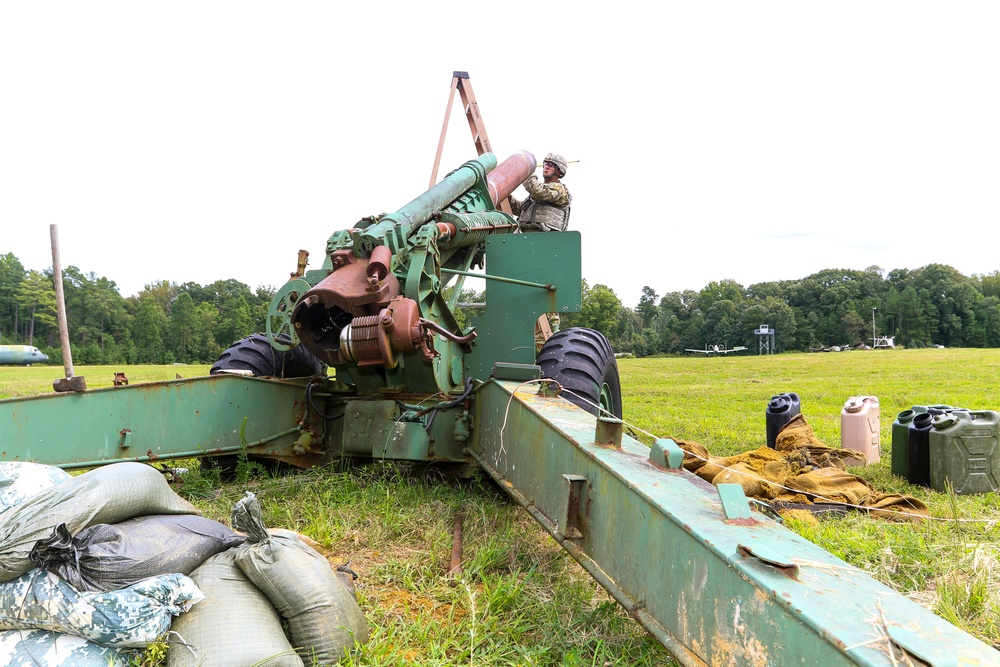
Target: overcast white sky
{"type": "Point", "coordinates": [193, 141]}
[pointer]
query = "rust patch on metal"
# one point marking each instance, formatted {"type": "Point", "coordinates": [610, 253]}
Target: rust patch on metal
{"type": "Point", "coordinates": [732, 652]}
{"type": "Point", "coordinates": [742, 522]}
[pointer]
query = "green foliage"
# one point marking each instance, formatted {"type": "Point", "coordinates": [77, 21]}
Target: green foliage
{"type": "Point", "coordinates": [192, 323]}
{"type": "Point", "coordinates": [236, 322]}
{"type": "Point", "coordinates": [148, 329]}
{"type": "Point", "coordinates": [11, 275]}
{"type": "Point", "coordinates": [466, 309]}
{"type": "Point", "coordinates": [933, 305]}
{"type": "Point", "coordinates": [36, 298]}
{"type": "Point", "coordinates": [602, 310]}
{"type": "Point", "coordinates": [165, 322]}
{"type": "Point", "coordinates": [154, 655]}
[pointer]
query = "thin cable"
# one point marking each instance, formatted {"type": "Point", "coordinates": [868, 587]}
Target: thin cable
{"type": "Point", "coordinates": [450, 404]}
{"type": "Point", "coordinates": [309, 399]}
{"type": "Point", "coordinates": [506, 413]}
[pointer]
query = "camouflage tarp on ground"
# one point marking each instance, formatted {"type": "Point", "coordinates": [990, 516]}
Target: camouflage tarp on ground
{"type": "Point", "coordinates": [41, 648]}
{"type": "Point", "coordinates": [131, 617]}
{"type": "Point", "coordinates": [800, 469]}
{"type": "Point", "coordinates": [20, 480]}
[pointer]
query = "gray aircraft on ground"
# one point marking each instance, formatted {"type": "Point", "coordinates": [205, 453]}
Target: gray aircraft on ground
{"type": "Point", "coordinates": [21, 355]}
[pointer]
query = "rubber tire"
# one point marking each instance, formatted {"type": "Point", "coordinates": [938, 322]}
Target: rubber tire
{"type": "Point", "coordinates": [255, 354]}
{"type": "Point", "coordinates": [582, 361]}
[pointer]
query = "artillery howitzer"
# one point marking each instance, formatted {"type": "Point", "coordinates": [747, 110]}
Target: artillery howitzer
{"type": "Point", "coordinates": [714, 582]}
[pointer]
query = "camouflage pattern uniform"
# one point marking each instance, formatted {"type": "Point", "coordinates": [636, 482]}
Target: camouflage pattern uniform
{"type": "Point", "coordinates": [546, 209]}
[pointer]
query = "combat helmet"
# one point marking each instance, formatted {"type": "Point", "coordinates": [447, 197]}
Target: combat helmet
{"type": "Point", "coordinates": [557, 160]}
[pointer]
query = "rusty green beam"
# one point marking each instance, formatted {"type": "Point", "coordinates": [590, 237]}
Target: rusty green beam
{"type": "Point", "coordinates": [158, 420]}
{"type": "Point", "coordinates": [714, 589]}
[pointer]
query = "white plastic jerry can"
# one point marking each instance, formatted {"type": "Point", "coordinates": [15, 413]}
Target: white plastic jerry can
{"type": "Point", "coordinates": [860, 428]}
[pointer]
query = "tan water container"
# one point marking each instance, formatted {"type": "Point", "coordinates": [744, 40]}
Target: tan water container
{"type": "Point", "coordinates": [860, 428]}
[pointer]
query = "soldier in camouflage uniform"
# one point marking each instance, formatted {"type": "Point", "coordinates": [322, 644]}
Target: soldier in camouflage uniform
{"type": "Point", "coordinates": [546, 209]}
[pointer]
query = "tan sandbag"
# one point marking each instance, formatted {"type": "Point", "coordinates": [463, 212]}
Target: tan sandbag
{"type": "Point", "coordinates": [801, 469]}
{"type": "Point", "coordinates": [798, 436]}
{"type": "Point", "coordinates": [323, 617]}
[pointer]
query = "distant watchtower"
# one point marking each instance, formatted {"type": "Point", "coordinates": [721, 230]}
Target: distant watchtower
{"type": "Point", "coordinates": [765, 339]}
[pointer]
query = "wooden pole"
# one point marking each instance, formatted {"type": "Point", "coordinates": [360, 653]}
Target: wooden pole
{"type": "Point", "coordinates": [69, 383]}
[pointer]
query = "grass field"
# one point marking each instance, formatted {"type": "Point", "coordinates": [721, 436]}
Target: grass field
{"type": "Point", "coordinates": [521, 601]}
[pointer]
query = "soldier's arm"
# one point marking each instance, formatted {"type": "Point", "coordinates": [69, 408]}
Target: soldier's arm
{"type": "Point", "coordinates": [555, 194]}
{"type": "Point", "coordinates": [515, 205]}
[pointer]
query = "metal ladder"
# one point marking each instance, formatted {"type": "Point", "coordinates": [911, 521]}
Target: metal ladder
{"type": "Point", "coordinates": [460, 82]}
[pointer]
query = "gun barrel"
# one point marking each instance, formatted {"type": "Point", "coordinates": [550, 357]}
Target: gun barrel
{"type": "Point", "coordinates": [509, 174]}
{"type": "Point", "coordinates": [406, 220]}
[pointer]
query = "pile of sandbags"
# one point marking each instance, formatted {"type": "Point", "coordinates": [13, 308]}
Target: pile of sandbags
{"type": "Point", "coordinates": [279, 581]}
{"type": "Point", "coordinates": [94, 568]}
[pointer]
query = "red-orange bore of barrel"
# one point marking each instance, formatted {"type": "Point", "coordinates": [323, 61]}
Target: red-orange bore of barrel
{"type": "Point", "coordinates": [509, 174]}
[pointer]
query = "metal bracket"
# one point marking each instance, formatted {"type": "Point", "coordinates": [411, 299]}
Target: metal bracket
{"type": "Point", "coordinates": [550, 389]}
{"type": "Point", "coordinates": [516, 372]}
{"type": "Point", "coordinates": [766, 509]}
{"type": "Point", "coordinates": [666, 454]}
{"type": "Point", "coordinates": [609, 432]}
{"type": "Point", "coordinates": [734, 501]}
{"type": "Point", "coordinates": [574, 524]}
{"type": "Point", "coordinates": [770, 557]}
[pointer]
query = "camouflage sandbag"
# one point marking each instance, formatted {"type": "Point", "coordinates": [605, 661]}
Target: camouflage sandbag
{"type": "Point", "coordinates": [324, 620]}
{"type": "Point", "coordinates": [20, 480]}
{"type": "Point", "coordinates": [40, 648]}
{"type": "Point", "coordinates": [109, 494]}
{"type": "Point", "coordinates": [105, 557]}
{"type": "Point", "coordinates": [132, 617]}
{"type": "Point", "coordinates": [234, 626]}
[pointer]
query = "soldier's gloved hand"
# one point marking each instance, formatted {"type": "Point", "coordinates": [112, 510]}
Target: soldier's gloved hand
{"type": "Point", "coordinates": [533, 179]}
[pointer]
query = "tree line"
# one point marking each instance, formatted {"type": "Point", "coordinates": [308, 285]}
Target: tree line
{"type": "Point", "coordinates": [932, 305]}
{"type": "Point", "coordinates": [165, 323]}
{"type": "Point", "coordinates": [191, 323]}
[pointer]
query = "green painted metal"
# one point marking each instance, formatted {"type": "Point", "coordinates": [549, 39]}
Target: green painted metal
{"type": "Point", "coordinates": [278, 324]}
{"type": "Point", "coordinates": [378, 431]}
{"type": "Point", "coordinates": [665, 453]}
{"type": "Point", "coordinates": [734, 502]}
{"type": "Point", "coordinates": [148, 422]}
{"type": "Point", "coordinates": [467, 181]}
{"type": "Point", "coordinates": [713, 590]}
{"type": "Point", "coordinates": [506, 327]}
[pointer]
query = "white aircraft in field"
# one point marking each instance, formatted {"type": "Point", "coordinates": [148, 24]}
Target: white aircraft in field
{"type": "Point", "coordinates": [21, 355]}
{"type": "Point", "coordinates": [718, 349]}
